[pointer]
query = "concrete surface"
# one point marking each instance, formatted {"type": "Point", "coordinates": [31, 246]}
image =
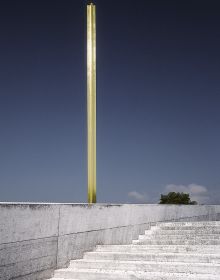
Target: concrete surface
{"type": "Point", "coordinates": [36, 238]}
{"type": "Point", "coordinates": [187, 258]}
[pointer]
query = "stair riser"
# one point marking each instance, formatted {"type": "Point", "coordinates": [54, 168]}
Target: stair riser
{"type": "Point", "coordinates": [182, 224]}
{"type": "Point", "coordinates": [183, 232]}
{"type": "Point", "coordinates": [148, 267]}
{"type": "Point", "coordinates": [91, 276]}
{"type": "Point", "coordinates": [180, 237]}
{"type": "Point", "coordinates": [153, 257]}
{"type": "Point", "coordinates": [107, 276]}
{"type": "Point", "coordinates": [189, 228]}
{"type": "Point", "coordinates": [177, 251]}
{"type": "Point", "coordinates": [176, 242]}
{"type": "Point", "coordinates": [159, 249]}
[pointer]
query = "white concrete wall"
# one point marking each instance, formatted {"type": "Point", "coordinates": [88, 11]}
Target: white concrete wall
{"type": "Point", "coordinates": [36, 238]}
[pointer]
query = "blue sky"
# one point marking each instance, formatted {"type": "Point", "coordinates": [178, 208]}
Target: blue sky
{"type": "Point", "coordinates": [158, 69]}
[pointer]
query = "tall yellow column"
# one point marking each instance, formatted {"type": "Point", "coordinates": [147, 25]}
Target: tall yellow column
{"type": "Point", "coordinates": [91, 101]}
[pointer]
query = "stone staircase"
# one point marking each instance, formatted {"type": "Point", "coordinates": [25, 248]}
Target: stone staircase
{"type": "Point", "coordinates": [174, 250]}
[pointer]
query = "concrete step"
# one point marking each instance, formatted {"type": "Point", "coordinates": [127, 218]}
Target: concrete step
{"type": "Point", "coordinates": [206, 249]}
{"type": "Point", "coordinates": [150, 266]}
{"type": "Point", "coordinates": [55, 278]}
{"type": "Point", "coordinates": [159, 257]}
{"type": "Point", "coordinates": [183, 228]}
{"type": "Point", "coordinates": [188, 226]}
{"type": "Point", "coordinates": [61, 279]}
{"type": "Point", "coordinates": [58, 279]}
{"type": "Point", "coordinates": [69, 273]}
{"type": "Point", "coordinates": [179, 237]}
{"type": "Point", "coordinates": [196, 241]}
{"type": "Point", "coordinates": [182, 232]}
{"type": "Point", "coordinates": [96, 274]}
{"type": "Point", "coordinates": [201, 223]}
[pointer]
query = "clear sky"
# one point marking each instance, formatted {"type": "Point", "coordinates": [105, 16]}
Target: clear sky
{"type": "Point", "coordinates": [158, 100]}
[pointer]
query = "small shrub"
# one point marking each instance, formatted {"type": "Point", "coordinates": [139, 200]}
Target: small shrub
{"type": "Point", "coordinates": [176, 198]}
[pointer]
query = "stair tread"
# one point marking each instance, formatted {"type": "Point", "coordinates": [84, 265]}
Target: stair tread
{"type": "Point", "coordinates": [130, 272]}
{"type": "Point", "coordinates": [147, 246]}
{"type": "Point", "coordinates": [141, 262]}
{"type": "Point", "coordinates": [154, 254]}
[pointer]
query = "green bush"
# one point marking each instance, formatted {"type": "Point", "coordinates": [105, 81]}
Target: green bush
{"type": "Point", "coordinates": [176, 198]}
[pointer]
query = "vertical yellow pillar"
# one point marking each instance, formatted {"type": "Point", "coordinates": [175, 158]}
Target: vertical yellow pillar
{"type": "Point", "coordinates": [91, 102]}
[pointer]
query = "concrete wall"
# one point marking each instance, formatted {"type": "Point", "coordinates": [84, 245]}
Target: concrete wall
{"type": "Point", "coordinates": [36, 238]}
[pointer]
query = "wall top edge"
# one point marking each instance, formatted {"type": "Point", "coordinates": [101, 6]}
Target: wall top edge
{"type": "Point", "coordinates": [98, 204]}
